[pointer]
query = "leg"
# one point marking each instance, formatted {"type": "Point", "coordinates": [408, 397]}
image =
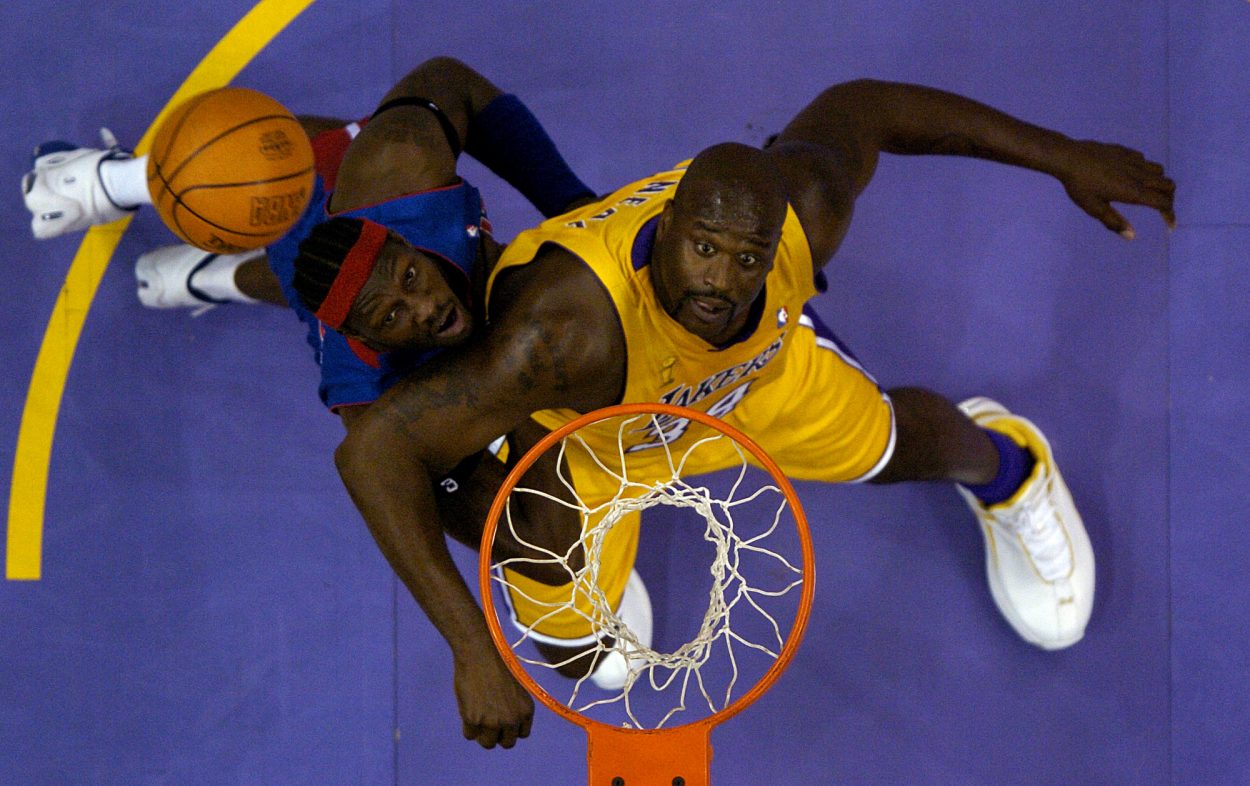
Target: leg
{"type": "Point", "coordinates": [541, 522]}
{"type": "Point", "coordinates": [1039, 562]}
{"type": "Point", "coordinates": [538, 521]}
{"type": "Point", "coordinates": [936, 441]}
{"type": "Point", "coordinates": [255, 279]}
{"type": "Point", "coordinates": [552, 527]}
{"type": "Point", "coordinates": [183, 276]}
{"type": "Point", "coordinates": [1038, 558]}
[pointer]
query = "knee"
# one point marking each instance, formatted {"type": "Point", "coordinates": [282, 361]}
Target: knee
{"type": "Point", "coordinates": [549, 573]}
{"type": "Point", "coordinates": [934, 440]}
{"type": "Point", "coordinates": [571, 662]}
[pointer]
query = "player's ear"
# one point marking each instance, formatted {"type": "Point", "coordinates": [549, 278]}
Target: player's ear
{"type": "Point", "coordinates": [666, 218]}
{"type": "Point", "coordinates": [348, 329]}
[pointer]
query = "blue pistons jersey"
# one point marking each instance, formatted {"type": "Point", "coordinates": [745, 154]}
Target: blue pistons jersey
{"type": "Point", "coordinates": [445, 223]}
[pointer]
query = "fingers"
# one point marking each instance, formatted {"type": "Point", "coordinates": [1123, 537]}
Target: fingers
{"type": "Point", "coordinates": [494, 708]}
{"type": "Point", "coordinates": [508, 735]}
{"type": "Point", "coordinates": [504, 735]}
{"type": "Point", "coordinates": [1149, 187]}
{"type": "Point", "coordinates": [1159, 200]}
{"type": "Point", "coordinates": [1111, 219]}
{"type": "Point", "coordinates": [1163, 203]}
{"type": "Point", "coordinates": [486, 736]}
{"type": "Point", "coordinates": [1115, 173]}
{"type": "Point", "coordinates": [1159, 193]}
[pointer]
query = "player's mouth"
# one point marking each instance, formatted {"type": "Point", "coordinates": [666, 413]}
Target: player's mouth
{"type": "Point", "coordinates": [452, 324]}
{"type": "Point", "coordinates": [709, 308]}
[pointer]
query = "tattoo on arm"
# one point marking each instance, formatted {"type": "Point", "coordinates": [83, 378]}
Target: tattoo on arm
{"type": "Point", "coordinates": [530, 363]}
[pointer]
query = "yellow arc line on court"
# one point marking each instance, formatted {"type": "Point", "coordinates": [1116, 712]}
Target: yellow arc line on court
{"type": "Point", "coordinates": [28, 490]}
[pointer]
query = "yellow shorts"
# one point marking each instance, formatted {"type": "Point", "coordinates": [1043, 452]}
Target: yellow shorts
{"type": "Point", "coordinates": [822, 418]}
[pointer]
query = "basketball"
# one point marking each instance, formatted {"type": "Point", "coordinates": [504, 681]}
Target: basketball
{"type": "Point", "coordinates": [230, 170]}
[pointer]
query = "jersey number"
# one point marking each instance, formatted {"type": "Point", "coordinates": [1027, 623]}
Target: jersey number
{"type": "Point", "coordinates": [669, 430]}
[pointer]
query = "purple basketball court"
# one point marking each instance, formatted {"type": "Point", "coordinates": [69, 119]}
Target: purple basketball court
{"type": "Point", "coordinates": [207, 606]}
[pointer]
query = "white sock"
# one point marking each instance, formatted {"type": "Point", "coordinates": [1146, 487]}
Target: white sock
{"type": "Point", "coordinates": [217, 278]}
{"type": "Point", "coordinates": [126, 181]}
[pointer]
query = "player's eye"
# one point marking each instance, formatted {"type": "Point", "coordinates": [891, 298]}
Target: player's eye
{"type": "Point", "coordinates": [390, 318]}
{"type": "Point", "coordinates": [704, 248]}
{"type": "Point", "coordinates": [410, 275]}
{"type": "Point", "coordinates": [748, 260]}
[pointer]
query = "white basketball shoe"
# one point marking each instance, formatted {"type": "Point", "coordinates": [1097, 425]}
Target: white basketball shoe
{"type": "Point", "coordinates": [1037, 554]}
{"type": "Point", "coordinates": [63, 190]}
{"type": "Point", "coordinates": [167, 278]}
{"type": "Point", "coordinates": [635, 611]}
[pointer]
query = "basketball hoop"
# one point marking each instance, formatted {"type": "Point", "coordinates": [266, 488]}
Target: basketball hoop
{"type": "Point", "coordinates": [642, 753]}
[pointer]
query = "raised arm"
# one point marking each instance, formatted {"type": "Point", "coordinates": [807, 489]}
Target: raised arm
{"type": "Point", "coordinates": [412, 147]}
{"type": "Point", "coordinates": [547, 349]}
{"type": "Point", "coordinates": [839, 135]}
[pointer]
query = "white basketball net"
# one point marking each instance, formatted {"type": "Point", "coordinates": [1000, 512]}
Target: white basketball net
{"type": "Point", "coordinates": [732, 598]}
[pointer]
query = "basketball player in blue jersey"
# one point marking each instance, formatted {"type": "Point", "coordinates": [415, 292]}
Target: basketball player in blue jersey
{"type": "Point", "coordinates": [439, 109]}
{"type": "Point", "coordinates": [398, 168]}
{"type": "Point", "coordinates": [690, 287]}
{"type": "Point", "coordinates": [390, 180]}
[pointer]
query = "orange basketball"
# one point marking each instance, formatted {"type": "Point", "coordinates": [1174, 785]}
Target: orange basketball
{"type": "Point", "coordinates": [230, 170]}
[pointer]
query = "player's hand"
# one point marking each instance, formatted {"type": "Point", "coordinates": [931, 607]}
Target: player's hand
{"type": "Point", "coordinates": [494, 708]}
{"type": "Point", "coordinates": [1096, 174]}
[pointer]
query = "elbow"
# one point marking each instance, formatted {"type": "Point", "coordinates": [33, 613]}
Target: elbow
{"type": "Point", "coordinates": [863, 84]}
{"type": "Point", "coordinates": [376, 452]}
{"type": "Point", "coordinates": [463, 81]}
{"type": "Point", "coordinates": [445, 66]}
{"type": "Point", "coordinates": [362, 449]}
{"type": "Point", "coordinates": [349, 456]}
{"type": "Point", "coordinates": [858, 94]}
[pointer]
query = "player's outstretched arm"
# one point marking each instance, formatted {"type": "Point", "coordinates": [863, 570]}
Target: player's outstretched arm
{"type": "Point", "coordinates": [408, 147]}
{"type": "Point", "coordinates": [855, 121]}
{"type": "Point", "coordinates": [547, 349]}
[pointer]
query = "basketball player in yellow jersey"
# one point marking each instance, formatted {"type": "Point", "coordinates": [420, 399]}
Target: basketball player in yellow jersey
{"type": "Point", "coordinates": [689, 287]}
{"type": "Point", "coordinates": [715, 349]}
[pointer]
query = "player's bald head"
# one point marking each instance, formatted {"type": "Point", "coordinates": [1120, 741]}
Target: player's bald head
{"type": "Point", "coordinates": [733, 183]}
{"type": "Point", "coordinates": [717, 240]}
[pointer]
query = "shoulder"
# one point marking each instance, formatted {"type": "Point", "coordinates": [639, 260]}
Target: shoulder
{"type": "Point", "coordinates": [397, 153]}
{"type": "Point", "coordinates": [556, 287]}
{"type": "Point", "coordinates": [554, 318]}
{"type": "Point", "coordinates": [821, 188]}
{"type": "Point", "coordinates": [611, 237]}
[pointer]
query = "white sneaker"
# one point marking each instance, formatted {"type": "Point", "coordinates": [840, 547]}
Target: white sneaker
{"type": "Point", "coordinates": [635, 611]}
{"type": "Point", "coordinates": [165, 277]}
{"type": "Point", "coordinates": [1037, 555]}
{"type": "Point", "coordinates": [63, 190]}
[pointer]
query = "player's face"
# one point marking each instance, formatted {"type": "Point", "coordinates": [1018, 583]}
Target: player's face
{"type": "Point", "coordinates": [407, 303]}
{"type": "Point", "coordinates": [709, 266]}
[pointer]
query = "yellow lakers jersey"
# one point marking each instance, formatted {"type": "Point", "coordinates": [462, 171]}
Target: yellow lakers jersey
{"type": "Point", "coordinates": [665, 362]}
{"type": "Point", "coordinates": [796, 392]}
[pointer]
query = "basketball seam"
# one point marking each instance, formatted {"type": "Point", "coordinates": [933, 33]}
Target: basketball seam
{"type": "Point", "coordinates": [178, 203]}
{"type": "Point", "coordinates": [239, 184]}
{"type": "Point", "coordinates": [158, 154]}
{"type": "Point", "coordinates": [165, 190]}
{"type": "Point", "coordinates": [210, 142]}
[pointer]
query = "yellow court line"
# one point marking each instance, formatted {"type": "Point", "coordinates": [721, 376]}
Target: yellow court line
{"type": "Point", "coordinates": [28, 490]}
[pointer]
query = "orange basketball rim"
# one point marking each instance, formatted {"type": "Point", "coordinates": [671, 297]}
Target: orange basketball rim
{"type": "Point", "coordinates": [623, 756]}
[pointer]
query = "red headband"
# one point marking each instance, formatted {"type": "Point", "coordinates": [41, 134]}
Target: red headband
{"type": "Point", "coordinates": [353, 274]}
